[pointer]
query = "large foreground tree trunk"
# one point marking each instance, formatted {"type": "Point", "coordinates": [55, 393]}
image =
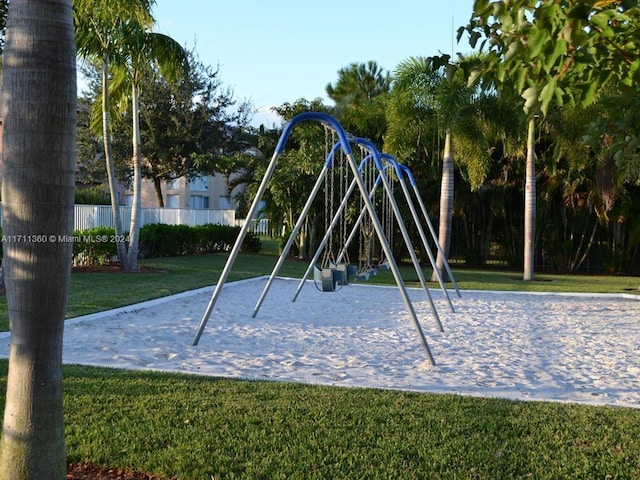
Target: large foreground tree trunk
{"type": "Point", "coordinates": [39, 113]}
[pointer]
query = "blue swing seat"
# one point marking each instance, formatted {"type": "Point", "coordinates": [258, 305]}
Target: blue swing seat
{"type": "Point", "coordinates": [326, 278]}
{"type": "Point", "coordinates": [365, 273]}
{"type": "Point", "coordinates": [362, 276]}
{"type": "Point", "coordinates": [343, 272]}
{"type": "Point", "coordinates": [352, 270]}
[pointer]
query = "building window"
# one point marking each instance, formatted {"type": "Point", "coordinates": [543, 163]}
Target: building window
{"type": "Point", "coordinates": [173, 201]}
{"type": "Point", "coordinates": [199, 184]}
{"type": "Point", "coordinates": [173, 184]}
{"type": "Point", "coordinates": [199, 201]}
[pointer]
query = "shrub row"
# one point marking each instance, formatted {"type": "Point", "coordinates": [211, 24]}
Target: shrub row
{"type": "Point", "coordinates": [97, 246]}
{"type": "Point", "coordinates": [161, 240]}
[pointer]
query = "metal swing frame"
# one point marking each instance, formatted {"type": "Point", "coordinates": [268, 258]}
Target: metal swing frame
{"type": "Point", "coordinates": [406, 171]}
{"type": "Point", "coordinates": [344, 144]}
{"type": "Point", "coordinates": [391, 163]}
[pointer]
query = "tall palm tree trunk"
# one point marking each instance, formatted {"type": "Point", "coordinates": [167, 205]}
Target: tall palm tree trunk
{"type": "Point", "coordinates": [530, 205]}
{"type": "Point", "coordinates": [134, 229]}
{"type": "Point", "coordinates": [38, 174]}
{"type": "Point", "coordinates": [446, 208]}
{"type": "Point", "coordinates": [111, 169]}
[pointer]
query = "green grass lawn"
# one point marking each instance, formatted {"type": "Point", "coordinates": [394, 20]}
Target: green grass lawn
{"type": "Point", "coordinates": [199, 428]}
{"type": "Point", "coordinates": [202, 428]}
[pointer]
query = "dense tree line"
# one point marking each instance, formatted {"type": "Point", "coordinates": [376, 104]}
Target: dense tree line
{"type": "Point", "coordinates": [586, 205]}
{"type": "Point", "coordinates": [524, 162]}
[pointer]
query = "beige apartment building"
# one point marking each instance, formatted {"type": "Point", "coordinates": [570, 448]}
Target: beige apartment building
{"type": "Point", "coordinates": [202, 192]}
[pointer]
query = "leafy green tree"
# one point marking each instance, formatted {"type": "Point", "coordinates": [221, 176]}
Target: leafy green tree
{"type": "Point", "coordinates": [39, 116]}
{"type": "Point", "coordinates": [554, 52]}
{"type": "Point", "coordinates": [293, 180]}
{"type": "Point", "coordinates": [190, 127]}
{"type": "Point", "coordinates": [361, 93]}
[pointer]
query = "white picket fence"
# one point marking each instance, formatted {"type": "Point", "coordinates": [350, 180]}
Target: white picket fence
{"type": "Point", "coordinates": [258, 226]}
{"type": "Point", "coordinates": [90, 216]}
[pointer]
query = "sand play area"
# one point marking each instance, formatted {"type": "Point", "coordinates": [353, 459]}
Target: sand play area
{"type": "Point", "coordinates": [575, 348]}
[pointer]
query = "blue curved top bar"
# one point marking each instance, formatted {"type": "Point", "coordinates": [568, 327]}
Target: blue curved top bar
{"type": "Point", "coordinates": [319, 117]}
{"type": "Point", "coordinates": [364, 162]}
{"type": "Point", "coordinates": [409, 175]}
{"type": "Point", "coordinates": [372, 149]}
{"type": "Point", "coordinates": [394, 162]}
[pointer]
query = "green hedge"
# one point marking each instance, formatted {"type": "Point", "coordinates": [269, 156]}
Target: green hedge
{"type": "Point", "coordinates": [161, 240]}
{"type": "Point", "coordinates": [97, 246]}
{"type": "Point", "coordinates": [94, 246]}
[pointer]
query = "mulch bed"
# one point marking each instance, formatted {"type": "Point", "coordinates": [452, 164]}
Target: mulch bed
{"type": "Point", "coordinates": [113, 268]}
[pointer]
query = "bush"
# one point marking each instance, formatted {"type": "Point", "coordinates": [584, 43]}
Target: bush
{"type": "Point", "coordinates": [94, 246]}
{"type": "Point", "coordinates": [252, 243]}
{"type": "Point", "coordinates": [221, 238]}
{"type": "Point", "coordinates": [92, 196]}
{"type": "Point", "coordinates": [161, 240]}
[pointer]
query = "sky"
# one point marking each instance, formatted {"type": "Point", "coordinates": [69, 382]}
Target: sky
{"type": "Point", "coordinates": [275, 51]}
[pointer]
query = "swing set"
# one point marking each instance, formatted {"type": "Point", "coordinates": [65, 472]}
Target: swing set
{"type": "Point", "coordinates": [339, 178]}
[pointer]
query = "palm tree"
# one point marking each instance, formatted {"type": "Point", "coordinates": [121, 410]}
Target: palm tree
{"type": "Point", "coordinates": [141, 49]}
{"type": "Point", "coordinates": [583, 183]}
{"type": "Point", "coordinates": [530, 202]}
{"type": "Point", "coordinates": [427, 95]}
{"type": "Point", "coordinates": [99, 25]}
{"type": "Point", "coordinates": [39, 115]}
